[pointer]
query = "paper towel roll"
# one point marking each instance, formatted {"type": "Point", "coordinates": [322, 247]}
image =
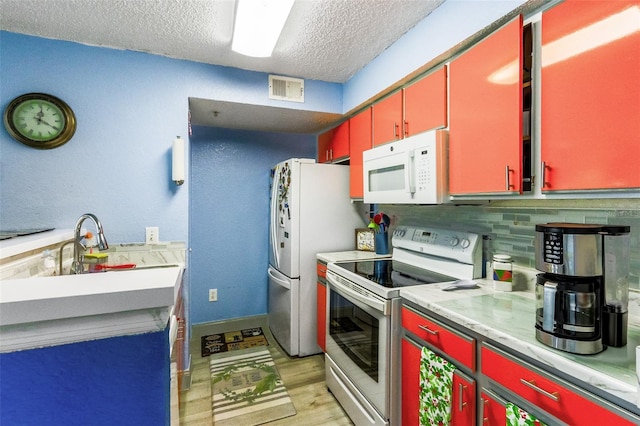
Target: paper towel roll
{"type": "Point", "coordinates": [177, 161]}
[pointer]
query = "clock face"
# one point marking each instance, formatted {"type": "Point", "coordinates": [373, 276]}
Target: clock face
{"type": "Point", "coordinates": [39, 120]}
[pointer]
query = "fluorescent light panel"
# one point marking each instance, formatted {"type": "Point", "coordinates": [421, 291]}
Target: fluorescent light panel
{"type": "Point", "coordinates": [258, 26]}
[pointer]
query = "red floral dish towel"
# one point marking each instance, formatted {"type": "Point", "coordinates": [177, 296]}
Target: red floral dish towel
{"type": "Point", "coordinates": [516, 416]}
{"type": "Point", "coordinates": [436, 386]}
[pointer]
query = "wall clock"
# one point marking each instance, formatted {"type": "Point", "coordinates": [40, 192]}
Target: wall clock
{"type": "Point", "coordinates": [39, 120]}
{"type": "Point", "coordinates": [365, 239]}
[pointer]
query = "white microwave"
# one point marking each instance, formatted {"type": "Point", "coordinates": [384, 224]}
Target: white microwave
{"type": "Point", "coordinates": [410, 171]}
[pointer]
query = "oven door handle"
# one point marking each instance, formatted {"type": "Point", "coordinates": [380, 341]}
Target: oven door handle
{"type": "Point", "coordinates": [378, 305]}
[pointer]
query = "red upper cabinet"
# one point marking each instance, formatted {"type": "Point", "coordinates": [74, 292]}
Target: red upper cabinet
{"type": "Point", "coordinates": [485, 115]}
{"type": "Point", "coordinates": [359, 141]}
{"type": "Point", "coordinates": [340, 145]}
{"type": "Point", "coordinates": [333, 145]}
{"type": "Point", "coordinates": [324, 145]}
{"type": "Point", "coordinates": [590, 96]}
{"type": "Point", "coordinates": [425, 103]}
{"type": "Point", "coordinates": [387, 119]}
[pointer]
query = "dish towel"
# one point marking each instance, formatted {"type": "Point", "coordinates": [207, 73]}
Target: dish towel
{"type": "Point", "coordinates": [436, 388]}
{"type": "Point", "coordinates": [517, 416]}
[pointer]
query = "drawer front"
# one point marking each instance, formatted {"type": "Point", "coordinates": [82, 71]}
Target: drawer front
{"type": "Point", "coordinates": [321, 270]}
{"type": "Point", "coordinates": [550, 395]}
{"type": "Point", "coordinates": [456, 345]}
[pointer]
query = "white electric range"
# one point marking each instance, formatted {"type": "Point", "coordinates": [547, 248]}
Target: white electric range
{"type": "Point", "coordinates": [363, 315]}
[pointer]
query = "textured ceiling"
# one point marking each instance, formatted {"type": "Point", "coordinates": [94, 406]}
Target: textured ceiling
{"type": "Point", "coordinates": [328, 40]}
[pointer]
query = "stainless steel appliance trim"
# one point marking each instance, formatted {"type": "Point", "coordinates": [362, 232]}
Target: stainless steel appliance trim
{"type": "Point", "coordinates": [353, 291]}
{"type": "Point", "coordinates": [579, 347]}
{"type": "Point", "coordinates": [549, 305]}
{"type": "Point", "coordinates": [581, 254]}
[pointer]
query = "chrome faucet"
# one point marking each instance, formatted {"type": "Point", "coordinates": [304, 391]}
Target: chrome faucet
{"type": "Point", "coordinates": [77, 266]}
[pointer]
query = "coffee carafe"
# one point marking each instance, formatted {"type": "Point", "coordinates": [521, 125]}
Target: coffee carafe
{"type": "Point", "coordinates": [582, 295]}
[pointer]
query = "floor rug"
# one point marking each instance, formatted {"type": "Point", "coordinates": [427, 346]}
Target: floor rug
{"type": "Point", "coordinates": [246, 389]}
{"type": "Point", "coordinates": [232, 340]}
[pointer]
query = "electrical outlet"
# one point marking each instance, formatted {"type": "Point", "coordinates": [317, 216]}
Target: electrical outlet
{"type": "Point", "coordinates": [213, 295]}
{"type": "Point", "coordinates": [153, 235]}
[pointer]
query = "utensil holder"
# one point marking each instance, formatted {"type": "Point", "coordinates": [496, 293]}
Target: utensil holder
{"type": "Point", "coordinates": [382, 242]}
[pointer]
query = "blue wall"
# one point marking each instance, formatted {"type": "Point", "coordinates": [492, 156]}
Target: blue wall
{"type": "Point", "coordinates": [229, 217]}
{"type": "Point", "coordinates": [129, 106]}
{"type": "Point", "coordinates": [115, 381]}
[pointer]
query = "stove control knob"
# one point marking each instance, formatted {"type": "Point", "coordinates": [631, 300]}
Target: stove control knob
{"type": "Point", "coordinates": [454, 241]}
{"type": "Point", "coordinates": [465, 243]}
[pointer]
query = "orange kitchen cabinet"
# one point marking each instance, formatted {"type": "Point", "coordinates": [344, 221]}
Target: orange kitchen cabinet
{"type": "Point", "coordinates": [463, 405]}
{"type": "Point", "coordinates": [590, 135]}
{"type": "Point", "coordinates": [333, 145]}
{"type": "Point", "coordinates": [321, 302]}
{"type": "Point", "coordinates": [485, 115]}
{"type": "Point", "coordinates": [387, 119]}
{"type": "Point", "coordinates": [359, 141]}
{"type": "Point", "coordinates": [425, 103]}
{"type": "Point", "coordinates": [547, 393]}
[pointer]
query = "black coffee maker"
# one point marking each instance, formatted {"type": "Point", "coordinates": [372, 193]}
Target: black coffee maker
{"type": "Point", "coordinates": [583, 295]}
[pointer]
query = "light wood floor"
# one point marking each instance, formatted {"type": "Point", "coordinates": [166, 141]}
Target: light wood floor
{"type": "Point", "coordinates": [303, 378]}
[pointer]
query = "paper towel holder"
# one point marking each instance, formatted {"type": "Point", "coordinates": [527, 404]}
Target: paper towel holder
{"type": "Point", "coordinates": [177, 161]}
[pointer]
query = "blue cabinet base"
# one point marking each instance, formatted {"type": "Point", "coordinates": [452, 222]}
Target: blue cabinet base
{"type": "Point", "coordinates": [116, 381]}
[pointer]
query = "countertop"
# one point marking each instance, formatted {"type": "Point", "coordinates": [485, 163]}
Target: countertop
{"type": "Point", "coordinates": [42, 311]}
{"type": "Point", "coordinates": [508, 318]}
{"type": "Point", "coordinates": [340, 256]}
{"type": "Point", "coordinates": [18, 245]}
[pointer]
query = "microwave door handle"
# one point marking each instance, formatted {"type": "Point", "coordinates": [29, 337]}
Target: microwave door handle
{"type": "Point", "coordinates": [411, 172]}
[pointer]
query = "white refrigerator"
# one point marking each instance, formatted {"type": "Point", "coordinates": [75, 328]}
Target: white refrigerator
{"type": "Point", "coordinates": [311, 212]}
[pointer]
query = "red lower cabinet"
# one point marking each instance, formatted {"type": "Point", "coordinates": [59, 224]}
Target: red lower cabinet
{"type": "Point", "coordinates": [410, 383]}
{"type": "Point", "coordinates": [463, 402]}
{"type": "Point", "coordinates": [463, 410]}
{"type": "Point", "coordinates": [321, 305]}
{"type": "Point", "coordinates": [544, 392]}
{"type": "Point", "coordinates": [493, 411]}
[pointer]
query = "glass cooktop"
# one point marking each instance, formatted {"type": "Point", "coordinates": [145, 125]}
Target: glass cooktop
{"type": "Point", "coordinates": [393, 274]}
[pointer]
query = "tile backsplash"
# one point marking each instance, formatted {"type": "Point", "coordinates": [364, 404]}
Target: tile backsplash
{"type": "Point", "coordinates": [509, 226]}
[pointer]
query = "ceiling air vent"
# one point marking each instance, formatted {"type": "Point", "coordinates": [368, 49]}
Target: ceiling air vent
{"type": "Point", "coordinates": [286, 88]}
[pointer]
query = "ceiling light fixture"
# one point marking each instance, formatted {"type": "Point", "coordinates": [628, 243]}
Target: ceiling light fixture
{"type": "Point", "coordinates": [258, 26]}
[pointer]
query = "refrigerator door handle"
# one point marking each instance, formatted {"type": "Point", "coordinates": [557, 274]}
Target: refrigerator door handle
{"type": "Point", "coordinates": [274, 218]}
{"type": "Point", "coordinates": [277, 280]}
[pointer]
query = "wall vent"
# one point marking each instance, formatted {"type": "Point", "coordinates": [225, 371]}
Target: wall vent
{"type": "Point", "coordinates": [286, 88]}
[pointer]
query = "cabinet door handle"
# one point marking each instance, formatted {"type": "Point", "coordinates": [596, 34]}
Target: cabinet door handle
{"type": "Point", "coordinates": [396, 130]}
{"type": "Point", "coordinates": [507, 177]}
{"type": "Point", "coordinates": [532, 384]}
{"type": "Point", "coordinates": [406, 128]}
{"type": "Point", "coordinates": [331, 154]}
{"type": "Point", "coordinates": [485, 419]}
{"type": "Point", "coordinates": [326, 155]}
{"type": "Point", "coordinates": [543, 172]}
{"type": "Point", "coordinates": [461, 402]}
{"type": "Point", "coordinates": [428, 330]}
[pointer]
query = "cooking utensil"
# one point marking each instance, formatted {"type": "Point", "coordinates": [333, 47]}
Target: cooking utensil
{"type": "Point", "coordinates": [123, 266]}
{"type": "Point", "coordinates": [460, 285]}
